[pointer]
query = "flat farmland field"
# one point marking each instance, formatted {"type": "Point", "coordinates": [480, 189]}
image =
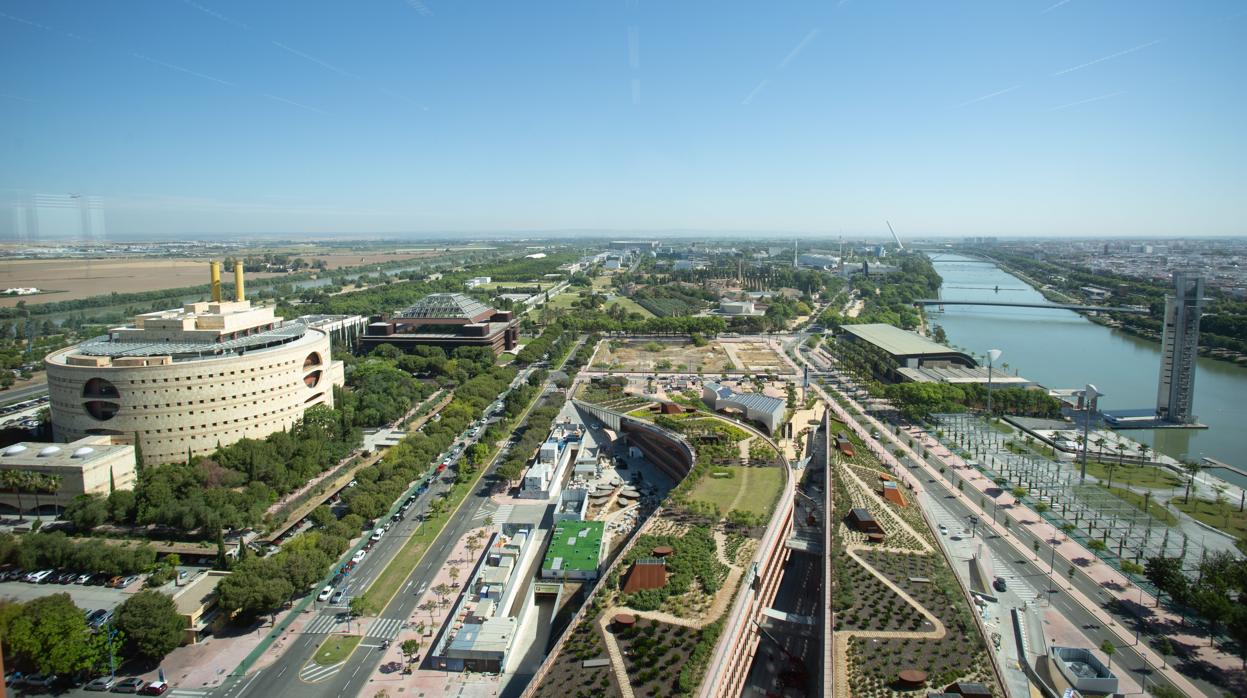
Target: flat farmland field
{"type": "Point", "coordinates": [76, 278]}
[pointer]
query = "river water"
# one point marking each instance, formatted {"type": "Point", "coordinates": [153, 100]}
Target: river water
{"type": "Point", "coordinates": [1062, 349]}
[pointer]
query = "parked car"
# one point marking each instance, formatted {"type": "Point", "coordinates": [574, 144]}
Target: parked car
{"type": "Point", "coordinates": [39, 682]}
{"type": "Point", "coordinates": [130, 685]}
{"type": "Point", "coordinates": [128, 581]}
{"type": "Point", "coordinates": [337, 579]}
{"type": "Point", "coordinates": [66, 577]}
{"type": "Point", "coordinates": [83, 579]}
{"type": "Point", "coordinates": [358, 556]}
{"type": "Point", "coordinates": [376, 535]}
{"type": "Point", "coordinates": [38, 577]}
{"type": "Point", "coordinates": [155, 688]}
{"type": "Point", "coordinates": [103, 683]}
{"type": "Point", "coordinates": [115, 582]}
{"type": "Point", "coordinates": [999, 584]}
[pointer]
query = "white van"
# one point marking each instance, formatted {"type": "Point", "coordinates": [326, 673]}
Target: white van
{"type": "Point", "coordinates": [37, 577]}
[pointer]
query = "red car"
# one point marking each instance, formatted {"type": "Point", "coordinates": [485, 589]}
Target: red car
{"type": "Point", "coordinates": [154, 688]}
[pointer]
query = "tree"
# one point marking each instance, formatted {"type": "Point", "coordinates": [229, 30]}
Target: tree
{"type": "Point", "coordinates": [1166, 574]}
{"type": "Point", "coordinates": [50, 634]}
{"type": "Point", "coordinates": [15, 481]}
{"type": "Point", "coordinates": [151, 623]}
{"type": "Point", "coordinates": [256, 586]}
{"type": "Point", "coordinates": [454, 575]}
{"type": "Point", "coordinates": [362, 605]}
{"type": "Point", "coordinates": [410, 648]}
{"type": "Point", "coordinates": [1109, 649]}
{"type": "Point", "coordinates": [442, 591]}
{"type": "Point", "coordinates": [1192, 469]}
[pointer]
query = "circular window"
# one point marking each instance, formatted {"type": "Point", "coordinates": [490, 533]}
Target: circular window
{"type": "Point", "coordinates": [101, 409]}
{"type": "Point", "coordinates": [97, 388]}
{"type": "Point", "coordinates": [312, 359]}
{"type": "Point", "coordinates": [312, 379]}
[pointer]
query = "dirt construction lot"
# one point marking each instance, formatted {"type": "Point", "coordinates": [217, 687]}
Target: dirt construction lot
{"type": "Point", "coordinates": [683, 357]}
{"type": "Point", "coordinates": [72, 279]}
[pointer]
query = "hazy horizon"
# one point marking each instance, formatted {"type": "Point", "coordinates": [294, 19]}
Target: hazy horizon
{"type": "Point", "coordinates": [965, 118]}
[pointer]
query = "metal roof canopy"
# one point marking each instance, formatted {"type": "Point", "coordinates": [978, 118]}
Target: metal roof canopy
{"type": "Point", "coordinates": [896, 341]}
{"type": "Point", "coordinates": [445, 305]}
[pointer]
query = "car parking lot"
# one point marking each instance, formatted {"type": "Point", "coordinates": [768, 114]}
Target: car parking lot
{"type": "Point", "coordinates": [83, 596]}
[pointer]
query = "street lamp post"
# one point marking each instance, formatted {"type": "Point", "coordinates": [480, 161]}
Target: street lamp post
{"type": "Point", "coordinates": [1089, 397]}
{"type": "Point", "coordinates": [992, 356]}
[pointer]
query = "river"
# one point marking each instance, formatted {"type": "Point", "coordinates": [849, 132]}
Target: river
{"type": "Point", "coordinates": [1062, 349]}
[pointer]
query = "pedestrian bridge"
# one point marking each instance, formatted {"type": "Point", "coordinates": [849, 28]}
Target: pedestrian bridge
{"type": "Point", "coordinates": [1056, 306]}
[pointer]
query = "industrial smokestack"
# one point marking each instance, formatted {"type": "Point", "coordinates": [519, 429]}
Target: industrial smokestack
{"type": "Point", "coordinates": [215, 266]}
{"type": "Point", "coordinates": [238, 282]}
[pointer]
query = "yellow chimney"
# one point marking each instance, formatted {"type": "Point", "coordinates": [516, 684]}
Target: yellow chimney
{"type": "Point", "coordinates": [238, 281]}
{"type": "Point", "coordinates": [216, 280]}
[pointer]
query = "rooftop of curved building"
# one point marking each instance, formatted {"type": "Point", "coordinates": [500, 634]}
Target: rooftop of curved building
{"type": "Point", "coordinates": [107, 345]}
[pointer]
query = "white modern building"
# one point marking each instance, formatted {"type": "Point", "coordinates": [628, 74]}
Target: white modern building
{"type": "Point", "coordinates": [545, 475]}
{"type": "Point", "coordinates": [191, 379]}
{"type": "Point", "coordinates": [477, 281]}
{"type": "Point", "coordinates": [755, 406]}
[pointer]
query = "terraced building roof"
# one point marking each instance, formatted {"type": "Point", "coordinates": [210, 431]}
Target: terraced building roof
{"type": "Point", "coordinates": [447, 306]}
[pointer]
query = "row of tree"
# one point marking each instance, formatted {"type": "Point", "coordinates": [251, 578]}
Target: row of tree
{"type": "Point", "coordinates": [1216, 591]}
{"type": "Point", "coordinates": [55, 550]}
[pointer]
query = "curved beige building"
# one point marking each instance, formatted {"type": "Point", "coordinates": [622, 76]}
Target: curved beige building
{"type": "Point", "coordinates": [191, 379]}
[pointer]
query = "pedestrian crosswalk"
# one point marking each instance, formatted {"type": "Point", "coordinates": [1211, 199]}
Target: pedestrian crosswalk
{"type": "Point", "coordinates": [313, 672]}
{"type": "Point", "coordinates": [384, 628]}
{"type": "Point", "coordinates": [324, 623]}
{"type": "Point", "coordinates": [501, 516]}
{"type": "Point", "coordinates": [187, 693]}
{"type": "Point", "coordinates": [1013, 582]}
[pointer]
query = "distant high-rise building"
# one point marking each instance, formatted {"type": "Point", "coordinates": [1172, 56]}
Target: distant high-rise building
{"type": "Point", "coordinates": [1180, 344]}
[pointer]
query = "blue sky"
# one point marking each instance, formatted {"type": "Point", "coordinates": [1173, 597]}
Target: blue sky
{"type": "Point", "coordinates": [1029, 117]}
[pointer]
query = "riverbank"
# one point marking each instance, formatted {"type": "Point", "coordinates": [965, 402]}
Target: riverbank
{"type": "Point", "coordinates": [1063, 349]}
{"type": "Point", "coordinates": [1232, 357]}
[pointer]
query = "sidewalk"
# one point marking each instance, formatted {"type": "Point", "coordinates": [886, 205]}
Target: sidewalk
{"type": "Point", "coordinates": [388, 676]}
{"type": "Point", "coordinates": [1068, 552]}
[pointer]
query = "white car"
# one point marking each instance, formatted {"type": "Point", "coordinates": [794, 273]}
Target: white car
{"type": "Point", "coordinates": [376, 535]}
{"type": "Point", "coordinates": [359, 555]}
{"type": "Point", "coordinates": [325, 594]}
{"type": "Point", "coordinates": [943, 530]}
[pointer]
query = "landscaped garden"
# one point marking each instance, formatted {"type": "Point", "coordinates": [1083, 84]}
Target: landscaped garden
{"type": "Point", "coordinates": [877, 631]}
{"type": "Point", "coordinates": [569, 678]}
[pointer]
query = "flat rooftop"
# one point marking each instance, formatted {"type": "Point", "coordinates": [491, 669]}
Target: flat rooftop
{"type": "Point", "coordinates": [896, 341]}
{"type": "Point", "coordinates": [960, 375]}
{"type": "Point", "coordinates": [575, 545]}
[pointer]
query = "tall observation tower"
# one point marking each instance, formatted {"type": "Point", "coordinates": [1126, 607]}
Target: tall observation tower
{"type": "Point", "coordinates": [1180, 344]}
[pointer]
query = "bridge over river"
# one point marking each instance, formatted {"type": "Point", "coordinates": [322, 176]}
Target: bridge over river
{"type": "Point", "coordinates": [1023, 304]}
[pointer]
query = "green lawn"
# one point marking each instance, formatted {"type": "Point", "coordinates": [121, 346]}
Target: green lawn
{"type": "Point", "coordinates": [566, 299]}
{"type": "Point", "coordinates": [1135, 500]}
{"type": "Point", "coordinates": [335, 649]}
{"type": "Point", "coordinates": [1149, 476]}
{"type": "Point", "coordinates": [1224, 516]}
{"type": "Point", "coordinates": [761, 488]}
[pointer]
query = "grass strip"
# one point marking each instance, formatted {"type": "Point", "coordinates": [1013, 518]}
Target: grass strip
{"type": "Point", "coordinates": [335, 649]}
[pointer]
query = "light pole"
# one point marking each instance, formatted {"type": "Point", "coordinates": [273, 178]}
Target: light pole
{"type": "Point", "coordinates": [992, 356]}
{"type": "Point", "coordinates": [1089, 396]}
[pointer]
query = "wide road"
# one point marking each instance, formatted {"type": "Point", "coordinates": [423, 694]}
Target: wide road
{"type": "Point", "coordinates": [351, 677]}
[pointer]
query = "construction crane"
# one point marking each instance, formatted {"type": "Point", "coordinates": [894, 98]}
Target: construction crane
{"type": "Point", "coordinates": [895, 237]}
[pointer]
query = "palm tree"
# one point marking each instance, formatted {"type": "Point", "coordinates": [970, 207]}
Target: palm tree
{"type": "Point", "coordinates": [13, 481]}
{"type": "Point", "coordinates": [1121, 452]}
{"type": "Point", "coordinates": [1099, 443]}
{"type": "Point", "coordinates": [1110, 467]}
{"type": "Point", "coordinates": [35, 484]}
{"type": "Point", "coordinates": [1144, 449]}
{"type": "Point", "coordinates": [1192, 469]}
{"type": "Point", "coordinates": [55, 481]}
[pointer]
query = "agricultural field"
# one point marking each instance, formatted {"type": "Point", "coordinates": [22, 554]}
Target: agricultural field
{"type": "Point", "coordinates": [75, 278]}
